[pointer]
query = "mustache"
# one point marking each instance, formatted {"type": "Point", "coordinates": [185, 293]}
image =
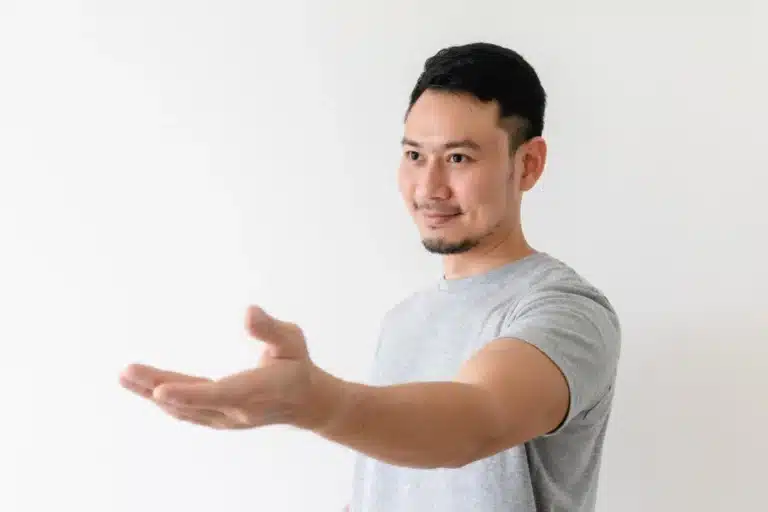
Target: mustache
{"type": "Point", "coordinates": [438, 209]}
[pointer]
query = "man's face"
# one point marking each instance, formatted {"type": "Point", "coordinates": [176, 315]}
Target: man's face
{"type": "Point", "coordinates": [456, 173]}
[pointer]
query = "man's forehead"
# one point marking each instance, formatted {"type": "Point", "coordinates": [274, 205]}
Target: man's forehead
{"type": "Point", "coordinates": [438, 135]}
{"type": "Point", "coordinates": [440, 118]}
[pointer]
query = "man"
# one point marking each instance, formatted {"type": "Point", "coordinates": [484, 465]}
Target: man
{"type": "Point", "coordinates": [492, 389]}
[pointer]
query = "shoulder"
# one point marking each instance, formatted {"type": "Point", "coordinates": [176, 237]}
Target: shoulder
{"type": "Point", "coordinates": [551, 281]}
{"type": "Point", "coordinates": [571, 321]}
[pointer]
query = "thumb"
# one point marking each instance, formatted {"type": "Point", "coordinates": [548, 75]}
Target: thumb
{"type": "Point", "coordinates": [286, 340]}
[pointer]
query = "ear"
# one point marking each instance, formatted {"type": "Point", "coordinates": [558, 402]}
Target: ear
{"type": "Point", "coordinates": [531, 157]}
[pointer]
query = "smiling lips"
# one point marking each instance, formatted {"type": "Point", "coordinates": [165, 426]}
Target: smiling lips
{"type": "Point", "coordinates": [435, 219]}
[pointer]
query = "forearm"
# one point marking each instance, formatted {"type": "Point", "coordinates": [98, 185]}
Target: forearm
{"type": "Point", "coordinates": [424, 425]}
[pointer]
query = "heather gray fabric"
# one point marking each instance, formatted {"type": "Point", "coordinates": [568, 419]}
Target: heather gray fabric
{"type": "Point", "coordinates": [428, 336]}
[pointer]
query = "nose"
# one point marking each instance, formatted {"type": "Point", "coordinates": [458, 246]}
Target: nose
{"type": "Point", "coordinates": [433, 182]}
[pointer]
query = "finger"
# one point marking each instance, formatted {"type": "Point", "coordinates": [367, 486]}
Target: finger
{"type": "Point", "coordinates": [136, 388]}
{"type": "Point", "coordinates": [150, 377]}
{"type": "Point", "coordinates": [205, 395]}
{"type": "Point", "coordinates": [201, 417]}
{"type": "Point", "coordinates": [234, 391]}
{"type": "Point", "coordinates": [265, 327]}
{"type": "Point", "coordinates": [286, 338]}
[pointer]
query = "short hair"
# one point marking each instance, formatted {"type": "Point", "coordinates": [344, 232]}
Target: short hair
{"type": "Point", "coordinates": [489, 72]}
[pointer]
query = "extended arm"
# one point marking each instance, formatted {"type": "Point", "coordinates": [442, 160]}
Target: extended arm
{"type": "Point", "coordinates": [508, 393]}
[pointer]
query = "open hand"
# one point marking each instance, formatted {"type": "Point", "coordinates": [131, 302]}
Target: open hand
{"type": "Point", "coordinates": [276, 391]}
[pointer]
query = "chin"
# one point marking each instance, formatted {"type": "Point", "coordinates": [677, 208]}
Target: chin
{"type": "Point", "coordinates": [444, 246]}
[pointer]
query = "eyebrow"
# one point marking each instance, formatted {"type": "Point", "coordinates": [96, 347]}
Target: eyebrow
{"type": "Point", "coordinates": [454, 144]}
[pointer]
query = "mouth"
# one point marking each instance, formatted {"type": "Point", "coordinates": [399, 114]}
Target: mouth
{"type": "Point", "coordinates": [438, 219]}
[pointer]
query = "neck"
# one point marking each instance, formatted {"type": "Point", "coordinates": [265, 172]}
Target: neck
{"type": "Point", "coordinates": [508, 247]}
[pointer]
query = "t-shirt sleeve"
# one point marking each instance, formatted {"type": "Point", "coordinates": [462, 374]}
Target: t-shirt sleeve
{"type": "Point", "coordinates": [579, 331]}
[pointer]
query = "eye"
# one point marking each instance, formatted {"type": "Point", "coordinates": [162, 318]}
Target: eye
{"type": "Point", "coordinates": [459, 158]}
{"type": "Point", "coordinates": [412, 155]}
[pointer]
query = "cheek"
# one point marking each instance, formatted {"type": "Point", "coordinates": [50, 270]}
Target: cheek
{"type": "Point", "coordinates": [405, 187]}
{"type": "Point", "coordinates": [480, 193]}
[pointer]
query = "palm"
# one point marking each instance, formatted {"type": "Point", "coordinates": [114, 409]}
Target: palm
{"type": "Point", "coordinates": [273, 392]}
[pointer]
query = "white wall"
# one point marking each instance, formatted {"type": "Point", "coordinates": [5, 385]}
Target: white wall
{"type": "Point", "coordinates": [163, 164]}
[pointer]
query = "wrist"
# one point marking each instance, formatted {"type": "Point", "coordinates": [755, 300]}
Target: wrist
{"type": "Point", "coordinates": [327, 399]}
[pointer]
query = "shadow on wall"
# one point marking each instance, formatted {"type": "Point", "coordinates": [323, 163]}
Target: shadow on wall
{"type": "Point", "coordinates": [690, 418]}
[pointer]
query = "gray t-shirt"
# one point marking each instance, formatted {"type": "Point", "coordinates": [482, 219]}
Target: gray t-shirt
{"type": "Point", "coordinates": [427, 337]}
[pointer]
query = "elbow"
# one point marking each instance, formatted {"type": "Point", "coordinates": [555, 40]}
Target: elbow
{"type": "Point", "coordinates": [438, 458]}
{"type": "Point", "coordinates": [458, 463]}
{"type": "Point", "coordinates": [471, 453]}
{"type": "Point", "coordinates": [488, 447]}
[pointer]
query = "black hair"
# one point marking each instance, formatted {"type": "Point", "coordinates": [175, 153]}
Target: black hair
{"type": "Point", "coordinates": [489, 72]}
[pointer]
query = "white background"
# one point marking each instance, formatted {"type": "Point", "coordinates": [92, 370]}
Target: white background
{"type": "Point", "coordinates": [164, 164]}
